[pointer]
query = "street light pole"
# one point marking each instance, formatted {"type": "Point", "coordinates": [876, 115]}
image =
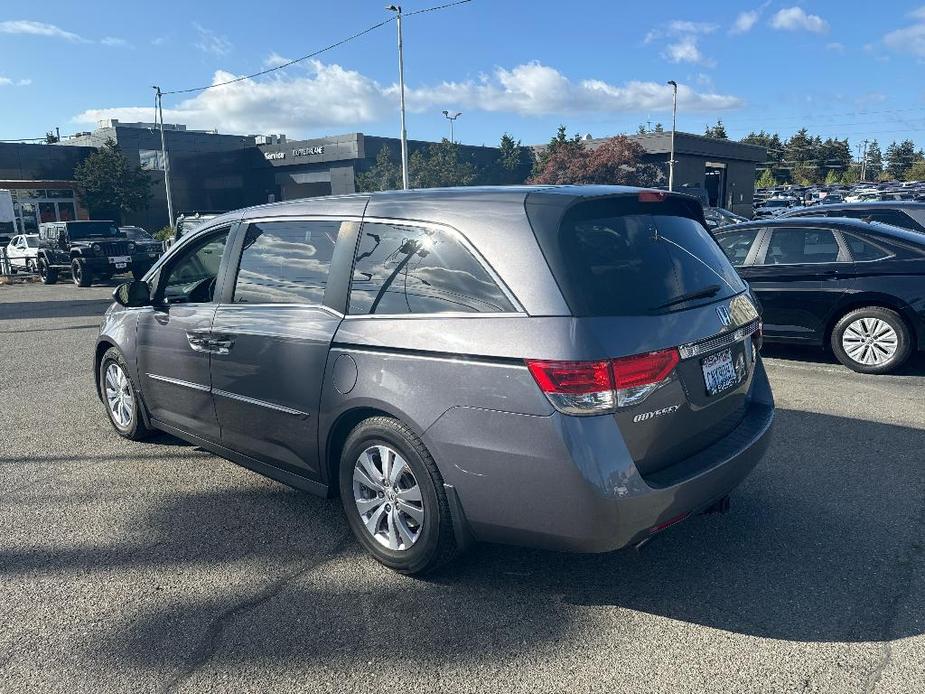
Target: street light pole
{"type": "Point", "coordinates": [160, 115]}
{"type": "Point", "coordinates": [452, 118]}
{"type": "Point", "coordinates": [674, 125]}
{"type": "Point", "coordinates": [401, 86]}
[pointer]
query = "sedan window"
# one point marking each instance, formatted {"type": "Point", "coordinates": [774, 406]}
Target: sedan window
{"type": "Point", "coordinates": [737, 244]}
{"type": "Point", "coordinates": [800, 246]}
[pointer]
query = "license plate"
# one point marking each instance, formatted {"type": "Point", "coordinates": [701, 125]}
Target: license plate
{"type": "Point", "coordinates": [121, 266]}
{"type": "Point", "coordinates": [119, 259]}
{"type": "Point", "coordinates": [719, 374]}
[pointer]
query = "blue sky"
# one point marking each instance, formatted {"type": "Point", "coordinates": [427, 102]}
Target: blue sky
{"type": "Point", "coordinates": [841, 69]}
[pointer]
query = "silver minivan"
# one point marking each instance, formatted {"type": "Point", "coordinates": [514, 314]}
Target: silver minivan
{"type": "Point", "coordinates": [568, 367]}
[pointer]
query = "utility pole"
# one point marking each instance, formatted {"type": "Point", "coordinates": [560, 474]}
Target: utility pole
{"type": "Point", "coordinates": [674, 125]}
{"type": "Point", "coordinates": [401, 86]}
{"type": "Point", "coordinates": [864, 163]}
{"type": "Point", "coordinates": [166, 161]}
{"type": "Point", "coordinates": [452, 118]}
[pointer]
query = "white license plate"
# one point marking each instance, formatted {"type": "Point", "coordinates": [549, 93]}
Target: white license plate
{"type": "Point", "coordinates": [719, 374]}
{"type": "Point", "coordinates": [120, 259]}
{"type": "Point", "coordinates": [121, 266]}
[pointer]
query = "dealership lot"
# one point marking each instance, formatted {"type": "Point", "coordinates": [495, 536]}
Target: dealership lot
{"type": "Point", "coordinates": [157, 566]}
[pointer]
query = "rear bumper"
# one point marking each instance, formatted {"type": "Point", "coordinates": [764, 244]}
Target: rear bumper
{"type": "Point", "coordinates": [569, 483]}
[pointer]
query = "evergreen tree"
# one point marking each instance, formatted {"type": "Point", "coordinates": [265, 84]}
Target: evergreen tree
{"type": "Point", "coordinates": [440, 166]}
{"type": "Point", "coordinates": [111, 185]}
{"type": "Point", "coordinates": [385, 174]}
{"type": "Point", "coordinates": [717, 131]}
{"type": "Point", "coordinates": [874, 162]}
{"type": "Point", "coordinates": [899, 159]}
{"type": "Point", "coordinates": [766, 179]}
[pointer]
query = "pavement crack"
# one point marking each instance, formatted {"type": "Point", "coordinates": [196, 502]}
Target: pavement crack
{"type": "Point", "coordinates": [906, 564]}
{"type": "Point", "coordinates": [210, 641]}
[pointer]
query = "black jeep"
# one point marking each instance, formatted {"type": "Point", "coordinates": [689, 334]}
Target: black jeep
{"type": "Point", "coordinates": [87, 249]}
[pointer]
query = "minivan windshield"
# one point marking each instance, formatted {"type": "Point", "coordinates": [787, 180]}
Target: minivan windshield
{"type": "Point", "coordinates": [637, 263]}
{"type": "Point", "coordinates": [85, 230]}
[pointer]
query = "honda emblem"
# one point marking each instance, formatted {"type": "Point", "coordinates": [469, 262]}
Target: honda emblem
{"type": "Point", "coordinates": [724, 317]}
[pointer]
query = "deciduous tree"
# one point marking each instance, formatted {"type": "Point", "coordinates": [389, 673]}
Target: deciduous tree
{"type": "Point", "coordinates": [110, 184]}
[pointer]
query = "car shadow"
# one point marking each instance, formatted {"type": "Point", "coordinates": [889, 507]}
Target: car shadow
{"type": "Point", "coordinates": [914, 367]}
{"type": "Point", "coordinates": [818, 547]}
{"type": "Point", "coordinates": [72, 308]}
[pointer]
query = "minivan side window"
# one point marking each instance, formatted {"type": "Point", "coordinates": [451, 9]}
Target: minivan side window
{"type": "Point", "coordinates": [737, 244]}
{"type": "Point", "coordinates": [285, 262]}
{"type": "Point", "coordinates": [191, 277]}
{"type": "Point", "coordinates": [800, 246]}
{"type": "Point", "coordinates": [407, 269]}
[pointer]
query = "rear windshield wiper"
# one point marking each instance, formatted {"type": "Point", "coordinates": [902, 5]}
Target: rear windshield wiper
{"type": "Point", "coordinates": [707, 291]}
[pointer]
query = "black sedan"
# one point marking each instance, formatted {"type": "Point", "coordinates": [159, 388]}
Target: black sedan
{"type": "Point", "coordinates": [901, 213]}
{"type": "Point", "coordinates": [856, 286]}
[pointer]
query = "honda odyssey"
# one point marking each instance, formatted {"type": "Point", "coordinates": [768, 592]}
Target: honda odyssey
{"type": "Point", "coordinates": [574, 367]}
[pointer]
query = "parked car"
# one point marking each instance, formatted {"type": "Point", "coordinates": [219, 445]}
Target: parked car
{"type": "Point", "coordinates": [717, 217]}
{"type": "Point", "coordinates": [852, 285]}
{"type": "Point", "coordinates": [88, 250]}
{"type": "Point", "coordinates": [568, 367]}
{"type": "Point", "coordinates": [147, 249]}
{"type": "Point", "coordinates": [22, 252]}
{"type": "Point", "coordinates": [908, 215]}
{"type": "Point", "coordinates": [775, 206]}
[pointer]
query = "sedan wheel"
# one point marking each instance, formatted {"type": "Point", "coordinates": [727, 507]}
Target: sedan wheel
{"type": "Point", "coordinates": [872, 340]}
{"type": "Point", "coordinates": [388, 498]}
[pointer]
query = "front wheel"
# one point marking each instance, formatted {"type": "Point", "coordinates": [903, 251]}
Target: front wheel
{"type": "Point", "coordinates": [81, 273]}
{"type": "Point", "coordinates": [120, 397]}
{"type": "Point", "coordinates": [872, 340]}
{"type": "Point", "coordinates": [393, 495]}
{"type": "Point", "coordinates": [48, 275]}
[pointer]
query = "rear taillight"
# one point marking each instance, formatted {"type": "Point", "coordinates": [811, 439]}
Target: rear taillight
{"type": "Point", "coordinates": [598, 387]}
{"type": "Point", "coordinates": [575, 387]}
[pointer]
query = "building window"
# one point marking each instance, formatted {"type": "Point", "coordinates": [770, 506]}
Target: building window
{"type": "Point", "coordinates": [151, 159]}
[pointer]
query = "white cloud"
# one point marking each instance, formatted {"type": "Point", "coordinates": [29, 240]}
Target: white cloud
{"type": "Point", "coordinates": [910, 39]}
{"type": "Point", "coordinates": [796, 19]}
{"type": "Point", "coordinates": [27, 26]}
{"type": "Point", "coordinates": [159, 40]}
{"type": "Point", "coordinates": [114, 41]}
{"type": "Point", "coordinates": [10, 82]}
{"type": "Point", "coordinates": [835, 46]}
{"type": "Point", "coordinates": [210, 42]}
{"type": "Point", "coordinates": [744, 22]}
{"type": "Point", "coordinates": [275, 60]}
{"type": "Point", "coordinates": [330, 96]}
{"type": "Point", "coordinates": [682, 37]}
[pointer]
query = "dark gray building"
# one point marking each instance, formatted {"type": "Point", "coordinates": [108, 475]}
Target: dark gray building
{"type": "Point", "coordinates": [723, 169]}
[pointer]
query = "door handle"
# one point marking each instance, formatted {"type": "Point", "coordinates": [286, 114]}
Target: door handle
{"type": "Point", "coordinates": [221, 344]}
{"type": "Point", "coordinates": [198, 341]}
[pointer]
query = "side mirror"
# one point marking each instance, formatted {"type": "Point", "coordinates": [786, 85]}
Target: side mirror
{"type": "Point", "coordinates": [132, 294]}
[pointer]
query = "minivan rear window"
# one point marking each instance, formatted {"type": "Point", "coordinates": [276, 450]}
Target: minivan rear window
{"type": "Point", "coordinates": [615, 258]}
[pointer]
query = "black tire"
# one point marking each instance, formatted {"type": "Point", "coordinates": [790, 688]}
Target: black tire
{"type": "Point", "coordinates": [81, 273]}
{"type": "Point", "coordinates": [873, 313]}
{"type": "Point", "coordinates": [47, 275]}
{"type": "Point", "coordinates": [135, 429]}
{"type": "Point", "coordinates": [436, 543]}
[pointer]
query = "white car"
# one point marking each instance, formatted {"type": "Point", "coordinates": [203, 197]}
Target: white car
{"type": "Point", "coordinates": [23, 252]}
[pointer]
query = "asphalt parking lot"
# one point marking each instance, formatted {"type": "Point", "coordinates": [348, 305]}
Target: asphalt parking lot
{"type": "Point", "coordinates": [159, 567]}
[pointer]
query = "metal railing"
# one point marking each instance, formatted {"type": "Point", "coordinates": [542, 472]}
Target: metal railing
{"type": "Point", "coordinates": [8, 271]}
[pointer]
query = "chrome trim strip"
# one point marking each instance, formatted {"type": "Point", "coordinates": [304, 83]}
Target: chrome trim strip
{"type": "Point", "coordinates": [259, 403]}
{"type": "Point", "coordinates": [693, 349]}
{"type": "Point", "coordinates": [431, 316]}
{"type": "Point", "coordinates": [178, 382]}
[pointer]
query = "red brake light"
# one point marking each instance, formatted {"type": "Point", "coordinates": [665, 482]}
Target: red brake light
{"type": "Point", "coordinates": [652, 195]}
{"type": "Point", "coordinates": [644, 369]}
{"type": "Point", "coordinates": [572, 377]}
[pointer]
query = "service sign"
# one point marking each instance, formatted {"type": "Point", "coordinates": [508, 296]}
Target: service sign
{"type": "Point", "coordinates": [270, 156]}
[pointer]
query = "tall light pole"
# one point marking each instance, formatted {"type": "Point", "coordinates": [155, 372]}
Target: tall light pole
{"type": "Point", "coordinates": [401, 86]}
{"type": "Point", "coordinates": [160, 115]}
{"type": "Point", "coordinates": [452, 116]}
{"type": "Point", "coordinates": [674, 125]}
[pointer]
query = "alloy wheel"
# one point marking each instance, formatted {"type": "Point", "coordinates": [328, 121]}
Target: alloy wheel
{"type": "Point", "coordinates": [388, 497]}
{"type": "Point", "coordinates": [870, 341]}
{"type": "Point", "coordinates": [119, 397]}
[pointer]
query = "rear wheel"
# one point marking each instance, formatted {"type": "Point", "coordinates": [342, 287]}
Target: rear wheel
{"type": "Point", "coordinates": [872, 340]}
{"type": "Point", "coordinates": [48, 275]}
{"type": "Point", "coordinates": [80, 273]}
{"type": "Point", "coordinates": [393, 495]}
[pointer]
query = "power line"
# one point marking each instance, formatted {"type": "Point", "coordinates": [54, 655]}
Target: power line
{"type": "Point", "coordinates": [337, 44]}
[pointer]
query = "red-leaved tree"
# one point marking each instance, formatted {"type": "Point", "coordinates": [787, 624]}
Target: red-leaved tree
{"type": "Point", "coordinates": [616, 161]}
